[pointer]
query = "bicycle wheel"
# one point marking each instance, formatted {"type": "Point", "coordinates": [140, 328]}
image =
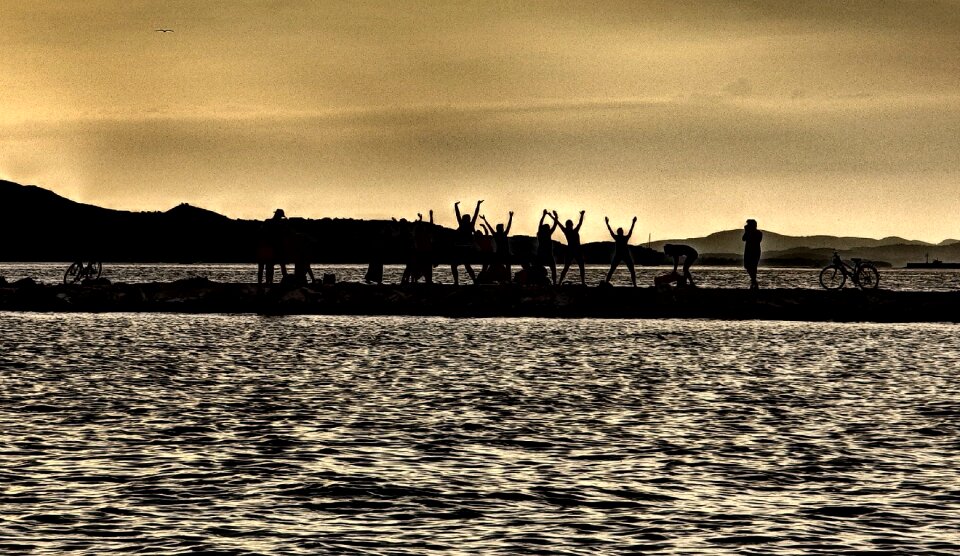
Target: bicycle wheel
{"type": "Point", "coordinates": [832, 277]}
{"type": "Point", "coordinates": [868, 277]}
{"type": "Point", "coordinates": [73, 273]}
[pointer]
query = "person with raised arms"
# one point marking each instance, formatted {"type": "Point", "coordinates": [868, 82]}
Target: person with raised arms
{"type": "Point", "coordinates": [502, 242]}
{"type": "Point", "coordinates": [545, 246]}
{"type": "Point", "coordinates": [463, 248]}
{"type": "Point", "coordinates": [622, 250]}
{"type": "Point", "coordinates": [574, 250]}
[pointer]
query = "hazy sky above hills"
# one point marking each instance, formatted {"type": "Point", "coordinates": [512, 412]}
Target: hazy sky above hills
{"type": "Point", "coordinates": [812, 117]}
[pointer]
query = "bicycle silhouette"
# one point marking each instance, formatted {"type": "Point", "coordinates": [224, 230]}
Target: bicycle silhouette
{"type": "Point", "coordinates": [863, 274]}
{"type": "Point", "coordinates": [79, 271]}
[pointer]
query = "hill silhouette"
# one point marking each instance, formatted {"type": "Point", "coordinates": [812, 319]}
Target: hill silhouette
{"type": "Point", "coordinates": [39, 225]}
{"type": "Point", "coordinates": [816, 250]}
{"type": "Point", "coordinates": [729, 241]}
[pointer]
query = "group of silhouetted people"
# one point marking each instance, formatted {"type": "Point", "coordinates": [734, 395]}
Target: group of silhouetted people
{"type": "Point", "coordinates": [279, 245]}
{"type": "Point", "coordinates": [490, 246]}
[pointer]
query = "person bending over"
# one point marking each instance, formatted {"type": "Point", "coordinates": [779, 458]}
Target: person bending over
{"type": "Point", "coordinates": [574, 250]}
{"type": "Point", "coordinates": [689, 255]}
{"type": "Point", "coordinates": [622, 252]}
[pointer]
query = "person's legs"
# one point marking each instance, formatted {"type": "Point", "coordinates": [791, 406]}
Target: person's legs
{"type": "Point", "coordinates": [470, 272]}
{"type": "Point", "coordinates": [613, 267]}
{"type": "Point", "coordinates": [633, 272]}
{"type": "Point", "coordinates": [686, 272]}
{"type": "Point", "coordinates": [583, 270]}
{"type": "Point", "coordinates": [553, 271]}
{"type": "Point", "coordinates": [456, 276]}
{"type": "Point", "coordinates": [566, 267]}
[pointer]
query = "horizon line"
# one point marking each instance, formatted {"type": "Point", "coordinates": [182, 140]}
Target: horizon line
{"type": "Point", "coordinates": [389, 218]}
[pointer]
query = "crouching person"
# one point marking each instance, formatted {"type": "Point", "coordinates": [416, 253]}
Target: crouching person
{"type": "Point", "coordinates": [689, 255]}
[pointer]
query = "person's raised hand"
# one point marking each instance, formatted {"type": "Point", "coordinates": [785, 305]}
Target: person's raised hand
{"type": "Point", "coordinates": [511, 213]}
{"type": "Point", "coordinates": [606, 219]}
{"type": "Point", "coordinates": [634, 218]}
{"type": "Point", "coordinates": [544, 212]}
{"type": "Point", "coordinates": [583, 212]}
{"type": "Point", "coordinates": [457, 203]}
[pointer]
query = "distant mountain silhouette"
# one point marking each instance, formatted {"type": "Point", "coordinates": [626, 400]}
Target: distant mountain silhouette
{"type": "Point", "coordinates": [783, 250]}
{"type": "Point", "coordinates": [729, 241]}
{"type": "Point", "coordinates": [39, 225]}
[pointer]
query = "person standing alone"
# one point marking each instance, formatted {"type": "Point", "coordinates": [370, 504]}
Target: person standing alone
{"type": "Point", "coordinates": [751, 251]}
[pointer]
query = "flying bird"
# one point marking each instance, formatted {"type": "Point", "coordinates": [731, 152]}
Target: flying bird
{"type": "Point", "coordinates": [164, 30]}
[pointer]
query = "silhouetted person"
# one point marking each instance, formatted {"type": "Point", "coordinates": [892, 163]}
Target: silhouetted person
{"type": "Point", "coordinates": [421, 264]}
{"type": "Point", "coordinates": [463, 248]}
{"type": "Point", "coordinates": [265, 259]}
{"type": "Point", "coordinates": [275, 233]}
{"type": "Point", "coordinates": [300, 250]}
{"type": "Point", "coordinates": [378, 252]}
{"type": "Point", "coordinates": [534, 274]}
{"type": "Point", "coordinates": [484, 243]}
{"type": "Point", "coordinates": [751, 251]}
{"type": "Point", "coordinates": [574, 250]}
{"type": "Point", "coordinates": [545, 245]}
{"type": "Point", "coordinates": [622, 251]}
{"type": "Point", "coordinates": [301, 269]}
{"type": "Point", "coordinates": [689, 255]}
{"type": "Point", "coordinates": [403, 240]}
{"type": "Point", "coordinates": [502, 241]}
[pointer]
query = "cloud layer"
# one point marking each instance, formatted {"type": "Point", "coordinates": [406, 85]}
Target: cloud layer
{"type": "Point", "coordinates": [812, 117]}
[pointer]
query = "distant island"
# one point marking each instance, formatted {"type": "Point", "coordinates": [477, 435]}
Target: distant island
{"type": "Point", "coordinates": [39, 225]}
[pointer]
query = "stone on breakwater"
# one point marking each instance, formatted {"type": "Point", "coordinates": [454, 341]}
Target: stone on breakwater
{"type": "Point", "coordinates": [199, 295]}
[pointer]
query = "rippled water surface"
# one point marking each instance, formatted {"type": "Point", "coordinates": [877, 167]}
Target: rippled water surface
{"type": "Point", "coordinates": [315, 435]}
{"type": "Point", "coordinates": [712, 277]}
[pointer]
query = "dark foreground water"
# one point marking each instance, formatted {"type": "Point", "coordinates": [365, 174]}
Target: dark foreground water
{"type": "Point", "coordinates": [125, 433]}
{"type": "Point", "coordinates": [709, 276]}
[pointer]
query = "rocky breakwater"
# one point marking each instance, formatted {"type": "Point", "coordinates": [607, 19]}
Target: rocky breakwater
{"type": "Point", "coordinates": [203, 296]}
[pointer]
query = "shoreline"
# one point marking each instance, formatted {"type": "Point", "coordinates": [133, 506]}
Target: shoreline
{"type": "Point", "coordinates": [570, 301]}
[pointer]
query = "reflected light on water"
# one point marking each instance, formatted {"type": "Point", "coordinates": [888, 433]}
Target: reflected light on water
{"type": "Point", "coordinates": [303, 435]}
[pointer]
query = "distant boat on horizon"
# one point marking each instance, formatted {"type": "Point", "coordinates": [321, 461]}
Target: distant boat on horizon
{"type": "Point", "coordinates": [937, 263]}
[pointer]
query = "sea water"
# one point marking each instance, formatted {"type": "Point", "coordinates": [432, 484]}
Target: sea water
{"type": "Point", "coordinates": [164, 433]}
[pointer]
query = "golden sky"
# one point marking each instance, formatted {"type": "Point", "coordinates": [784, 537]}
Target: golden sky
{"type": "Point", "coordinates": [833, 117]}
